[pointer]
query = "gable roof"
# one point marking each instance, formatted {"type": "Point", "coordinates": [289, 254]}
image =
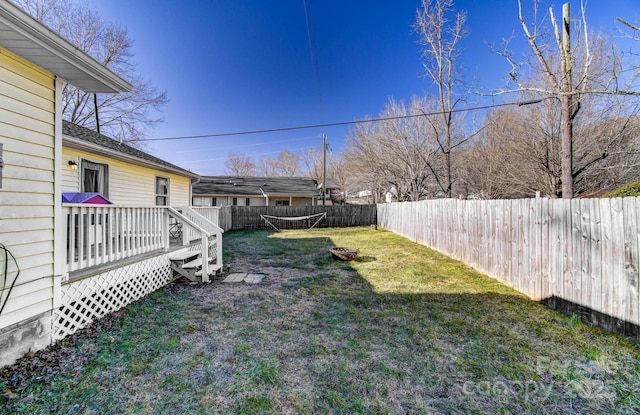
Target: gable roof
{"type": "Point", "coordinates": [30, 39]}
{"type": "Point", "coordinates": [256, 186]}
{"type": "Point", "coordinates": [81, 138]}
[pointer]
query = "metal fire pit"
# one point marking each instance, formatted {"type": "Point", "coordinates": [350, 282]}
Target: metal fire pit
{"type": "Point", "coordinates": [344, 254]}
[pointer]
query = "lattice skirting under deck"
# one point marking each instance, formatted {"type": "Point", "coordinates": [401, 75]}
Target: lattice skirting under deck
{"type": "Point", "coordinates": [87, 300]}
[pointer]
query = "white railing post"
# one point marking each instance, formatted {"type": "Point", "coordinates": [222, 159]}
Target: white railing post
{"type": "Point", "coordinates": [165, 229]}
{"type": "Point", "coordinates": [219, 249]}
{"type": "Point", "coordinates": [205, 257]}
{"type": "Point", "coordinates": [71, 240]}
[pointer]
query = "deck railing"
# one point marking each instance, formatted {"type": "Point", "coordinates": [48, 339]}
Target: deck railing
{"type": "Point", "coordinates": [220, 216]}
{"type": "Point", "coordinates": [199, 219]}
{"type": "Point", "coordinates": [99, 234]}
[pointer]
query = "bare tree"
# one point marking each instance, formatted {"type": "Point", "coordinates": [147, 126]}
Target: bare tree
{"type": "Point", "coordinates": [337, 169]}
{"type": "Point", "coordinates": [126, 116]}
{"type": "Point", "coordinates": [239, 164]}
{"type": "Point", "coordinates": [575, 64]}
{"type": "Point", "coordinates": [518, 153]}
{"type": "Point", "coordinates": [400, 152]}
{"type": "Point", "coordinates": [441, 31]}
{"type": "Point", "coordinates": [630, 25]}
{"type": "Point", "coordinates": [312, 160]}
{"type": "Point", "coordinates": [287, 164]}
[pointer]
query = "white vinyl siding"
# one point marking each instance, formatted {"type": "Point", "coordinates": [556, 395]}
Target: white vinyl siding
{"type": "Point", "coordinates": [27, 195]}
{"type": "Point", "coordinates": [228, 200]}
{"type": "Point", "coordinates": [129, 184]}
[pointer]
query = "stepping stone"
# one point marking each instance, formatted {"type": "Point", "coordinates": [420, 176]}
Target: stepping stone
{"type": "Point", "coordinates": [254, 278]}
{"type": "Point", "coordinates": [236, 277]}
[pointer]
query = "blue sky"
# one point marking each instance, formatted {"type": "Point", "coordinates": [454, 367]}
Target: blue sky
{"type": "Point", "coordinates": [240, 65]}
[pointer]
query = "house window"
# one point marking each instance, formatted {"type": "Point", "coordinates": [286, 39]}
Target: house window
{"type": "Point", "coordinates": [235, 201]}
{"type": "Point", "coordinates": [282, 203]}
{"type": "Point", "coordinates": [204, 201]}
{"type": "Point", "coordinates": [201, 201]}
{"type": "Point", "coordinates": [247, 202]}
{"type": "Point", "coordinates": [162, 191]}
{"type": "Point", "coordinates": [94, 178]}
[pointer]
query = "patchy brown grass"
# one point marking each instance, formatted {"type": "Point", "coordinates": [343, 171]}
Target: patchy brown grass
{"type": "Point", "coordinates": [401, 330]}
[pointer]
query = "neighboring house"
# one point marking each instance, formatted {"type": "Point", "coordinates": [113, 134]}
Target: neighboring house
{"type": "Point", "coordinates": [255, 191]}
{"type": "Point", "coordinates": [65, 265]}
{"type": "Point", "coordinates": [92, 162]}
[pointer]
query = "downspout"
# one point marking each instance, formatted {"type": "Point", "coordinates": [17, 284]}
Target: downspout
{"type": "Point", "coordinates": [265, 196]}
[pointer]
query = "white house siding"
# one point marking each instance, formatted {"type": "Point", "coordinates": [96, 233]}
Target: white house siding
{"type": "Point", "coordinates": [294, 201]}
{"type": "Point", "coordinates": [26, 199]}
{"type": "Point", "coordinates": [253, 201]}
{"type": "Point", "coordinates": [207, 201]}
{"type": "Point", "coordinates": [129, 184]}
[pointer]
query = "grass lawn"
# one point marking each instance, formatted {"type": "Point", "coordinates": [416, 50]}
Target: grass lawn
{"type": "Point", "coordinates": [402, 330]}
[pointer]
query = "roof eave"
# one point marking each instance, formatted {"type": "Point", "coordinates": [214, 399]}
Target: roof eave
{"type": "Point", "coordinates": [26, 37]}
{"type": "Point", "coordinates": [195, 193]}
{"type": "Point", "coordinates": [78, 144]}
{"type": "Point", "coordinates": [291, 194]}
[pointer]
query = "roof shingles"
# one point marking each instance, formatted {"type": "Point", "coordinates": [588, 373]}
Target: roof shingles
{"type": "Point", "coordinates": [255, 186]}
{"type": "Point", "coordinates": [92, 137]}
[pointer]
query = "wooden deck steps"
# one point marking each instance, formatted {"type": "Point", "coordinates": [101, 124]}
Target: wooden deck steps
{"type": "Point", "coordinates": [188, 264]}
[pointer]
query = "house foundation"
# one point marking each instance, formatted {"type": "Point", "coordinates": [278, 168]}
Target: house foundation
{"type": "Point", "coordinates": [29, 335]}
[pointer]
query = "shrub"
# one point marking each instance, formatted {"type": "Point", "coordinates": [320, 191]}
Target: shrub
{"type": "Point", "coordinates": [629, 189]}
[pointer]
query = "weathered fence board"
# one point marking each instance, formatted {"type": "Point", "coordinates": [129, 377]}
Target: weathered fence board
{"type": "Point", "coordinates": [580, 255]}
{"type": "Point", "coordinates": [249, 217]}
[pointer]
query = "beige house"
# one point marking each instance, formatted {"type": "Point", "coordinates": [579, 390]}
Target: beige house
{"type": "Point", "coordinates": [92, 162]}
{"type": "Point", "coordinates": [68, 264]}
{"type": "Point", "coordinates": [34, 63]}
{"type": "Point", "coordinates": [255, 191]}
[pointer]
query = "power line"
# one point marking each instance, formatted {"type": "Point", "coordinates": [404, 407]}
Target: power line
{"type": "Point", "coordinates": [258, 144]}
{"type": "Point", "coordinates": [313, 51]}
{"type": "Point", "coordinates": [337, 124]}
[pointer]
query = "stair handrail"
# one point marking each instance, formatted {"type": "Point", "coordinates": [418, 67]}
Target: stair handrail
{"type": "Point", "coordinates": [204, 235]}
{"type": "Point", "coordinates": [212, 227]}
{"type": "Point", "coordinates": [202, 220]}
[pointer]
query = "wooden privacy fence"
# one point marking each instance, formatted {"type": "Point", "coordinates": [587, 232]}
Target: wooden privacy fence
{"type": "Point", "coordinates": [248, 217]}
{"type": "Point", "coordinates": [215, 216]}
{"type": "Point", "coordinates": [577, 255]}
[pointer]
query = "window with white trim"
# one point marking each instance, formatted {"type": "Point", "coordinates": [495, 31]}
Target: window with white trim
{"type": "Point", "coordinates": [162, 191]}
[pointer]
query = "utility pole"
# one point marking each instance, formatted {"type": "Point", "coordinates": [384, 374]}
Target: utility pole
{"type": "Point", "coordinates": [566, 158]}
{"type": "Point", "coordinates": [324, 169]}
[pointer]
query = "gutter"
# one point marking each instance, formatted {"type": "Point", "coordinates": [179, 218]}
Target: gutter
{"type": "Point", "coordinates": [38, 35]}
{"type": "Point", "coordinates": [78, 144]}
